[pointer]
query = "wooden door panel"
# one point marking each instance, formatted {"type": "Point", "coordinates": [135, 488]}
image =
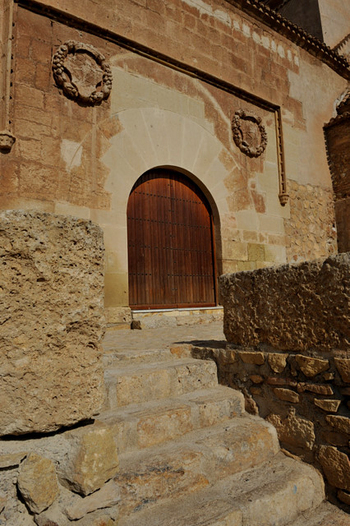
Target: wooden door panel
{"type": "Point", "coordinates": [170, 243]}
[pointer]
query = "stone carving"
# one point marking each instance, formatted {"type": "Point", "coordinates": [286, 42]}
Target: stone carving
{"type": "Point", "coordinates": [7, 140]}
{"type": "Point", "coordinates": [80, 80]}
{"type": "Point", "coordinates": [245, 127]}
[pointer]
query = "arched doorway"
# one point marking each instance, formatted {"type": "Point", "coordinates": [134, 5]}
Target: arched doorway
{"type": "Point", "coordinates": [170, 243]}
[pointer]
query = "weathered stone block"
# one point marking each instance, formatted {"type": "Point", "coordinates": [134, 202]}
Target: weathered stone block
{"type": "Point", "coordinates": [37, 482]}
{"type": "Point", "coordinates": [91, 459]}
{"type": "Point", "coordinates": [290, 307]}
{"type": "Point", "coordinates": [311, 366]}
{"type": "Point", "coordinates": [341, 423]}
{"type": "Point", "coordinates": [343, 366]}
{"type": "Point", "coordinates": [331, 406]}
{"type": "Point", "coordinates": [336, 466]}
{"type": "Point", "coordinates": [294, 430]}
{"type": "Point", "coordinates": [277, 362]}
{"type": "Point", "coordinates": [287, 395]}
{"type": "Point", "coordinates": [51, 317]}
{"type": "Point", "coordinates": [252, 357]}
{"type": "Point", "coordinates": [320, 389]}
{"type": "Point", "coordinates": [106, 497]}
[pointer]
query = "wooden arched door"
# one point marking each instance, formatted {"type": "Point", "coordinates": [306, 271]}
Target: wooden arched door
{"type": "Point", "coordinates": [170, 243]}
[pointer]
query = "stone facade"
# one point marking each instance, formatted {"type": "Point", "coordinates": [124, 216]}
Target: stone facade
{"type": "Point", "coordinates": [51, 321]}
{"type": "Point", "coordinates": [287, 329]}
{"type": "Point", "coordinates": [290, 307]}
{"type": "Point", "coordinates": [160, 85]}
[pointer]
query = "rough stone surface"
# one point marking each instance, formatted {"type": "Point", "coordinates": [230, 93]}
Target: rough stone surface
{"type": "Point", "coordinates": [51, 314]}
{"type": "Point", "coordinates": [315, 388]}
{"type": "Point", "coordinates": [106, 497]}
{"type": "Point", "coordinates": [277, 362]}
{"type": "Point", "coordinates": [331, 406]}
{"type": "Point", "coordinates": [256, 358]}
{"type": "Point", "coordinates": [343, 366]}
{"type": "Point", "coordinates": [11, 460]}
{"type": "Point", "coordinates": [293, 430]}
{"type": "Point", "coordinates": [287, 395]}
{"type": "Point", "coordinates": [290, 307]}
{"type": "Point", "coordinates": [336, 466]}
{"type": "Point", "coordinates": [37, 482]}
{"type": "Point", "coordinates": [311, 366]}
{"type": "Point", "coordinates": [341, 423]}
{"type": "Point", "coordinates": [91, 460]}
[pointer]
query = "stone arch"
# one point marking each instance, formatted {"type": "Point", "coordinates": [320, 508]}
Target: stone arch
{"type": "Point", "coordinates": [149, 138]}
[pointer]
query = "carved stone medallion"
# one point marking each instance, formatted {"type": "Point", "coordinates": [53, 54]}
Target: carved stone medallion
{"type": "Point", "coordinates": [249, 133]}
{"type": "Point", "coordinates": [82, 73]}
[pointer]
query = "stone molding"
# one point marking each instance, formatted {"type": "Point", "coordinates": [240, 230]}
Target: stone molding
{"type": "Point", "coordinates": [63, 76]}
{"type": "Point", "coordinates": [7, 140]}
{"type": "Point", "coordinates": [238, 135]}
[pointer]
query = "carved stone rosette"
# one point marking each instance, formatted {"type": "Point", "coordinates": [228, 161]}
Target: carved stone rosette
{"type": "Point", "coordinates": [238, 133]}
{"type": "Point", "coordinates": [64, 78]}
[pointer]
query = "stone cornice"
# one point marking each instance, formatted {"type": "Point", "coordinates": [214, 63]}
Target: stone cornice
{"type": "Point", "coordinates": [258, 10]}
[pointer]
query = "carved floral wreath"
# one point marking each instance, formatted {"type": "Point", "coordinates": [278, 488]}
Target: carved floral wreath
{"type": "Point", "coordinates": [238, 137]}
{"type": "Point", "coordinates": [63, 77]}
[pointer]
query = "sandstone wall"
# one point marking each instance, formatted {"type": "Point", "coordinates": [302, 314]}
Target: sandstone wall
{"type": "Point", "coordinates": [290, 307]}
{"type": "Point", "coordinates": [72, 158]}
{"type": "Point", "coordinates": [51, 317]}
{"type": "Point", "coordinates": [288, 334]}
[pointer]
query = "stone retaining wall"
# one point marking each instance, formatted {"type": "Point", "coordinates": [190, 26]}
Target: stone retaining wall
{"type": "Point", "coordinates": [51, 318]}
{"type": "Point", "coordinates": [288, 330]}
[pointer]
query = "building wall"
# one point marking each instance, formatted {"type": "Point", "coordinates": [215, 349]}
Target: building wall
{"type": "Point", "coordinates": [181, 70]}
{"type": "Point", "coordinates": [335, 21]}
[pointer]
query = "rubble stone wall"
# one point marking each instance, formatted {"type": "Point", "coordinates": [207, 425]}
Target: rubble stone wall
{"type": "Point", "coordinates": [51, 318]}
{"type": "Point", "coordinates": [288, 340]}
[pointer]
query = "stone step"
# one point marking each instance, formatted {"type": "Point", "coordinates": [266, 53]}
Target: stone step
{"type": "Point", "coordinates": [272, 494]}
{"type": "Point", "coordinates": [144, 425]}
{"type": "Point", "coordinates": [114, 358]}
{"type": "Point", "coordinates": [152, 381]}
{"type": "Point", "coordinates": [194, 461]}
{"type": "Point", "coordinates": [324, 515]}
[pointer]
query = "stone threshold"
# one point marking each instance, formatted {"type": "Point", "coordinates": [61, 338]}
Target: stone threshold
{"type": "Point", "coordinates": [154, 318]}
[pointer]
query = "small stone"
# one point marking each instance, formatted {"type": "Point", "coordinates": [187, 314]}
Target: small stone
{"type": "Point", "coordinates": [252, 357]}
{"type": "Point", "coordinates": [336, 466]}
{"type": "Point", "coordinates": [328, 376]}
{"type": "Point", "coordinates": [106, 497]}
{"type": "Point", "coordinates": [341, 423]}
{"type": "Point", "coordinates": [136, 325]}
{"type": "Point", "coordinates": [343, 366]}
{"type": "Point", "coordinates": [346, 391]}
{"type": "Point", "coordinates": [256, 391]}
{"type": "Point", "coordinates": [12, 460]}
{"type": "Point", "coordinates": [277, 362]}
{"type": "Point", "coordinates": [287, 395]}
{"type": "Point", "coordinates": [311, 366]}
{"type": "Point", "coordinates": [331, 406]}
{"type": "Point", "coordinates": [256, 378]}
{"type": "Point", "coordinates": [320, 389]}
{"type": "Point", "coordinates": [92, 459]}
{"type": "Point", "coordinates": [344, 497]}
{"type": "Point", "coordinates": [37, 482]}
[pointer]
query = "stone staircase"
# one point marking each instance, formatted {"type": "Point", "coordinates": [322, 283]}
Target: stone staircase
{"type": "Point", "coordinates": [190, 455]}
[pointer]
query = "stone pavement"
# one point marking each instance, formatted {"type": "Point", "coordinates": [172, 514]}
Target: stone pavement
{"type": "Point", "coordinates": [163, 337]}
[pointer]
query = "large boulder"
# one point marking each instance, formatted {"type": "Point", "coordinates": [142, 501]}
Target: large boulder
{"type": "Point", "coordinates": [51, 318]}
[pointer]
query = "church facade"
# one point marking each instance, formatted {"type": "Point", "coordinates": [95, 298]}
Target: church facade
{"type": "Point", "coordinates": [191, 131]}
